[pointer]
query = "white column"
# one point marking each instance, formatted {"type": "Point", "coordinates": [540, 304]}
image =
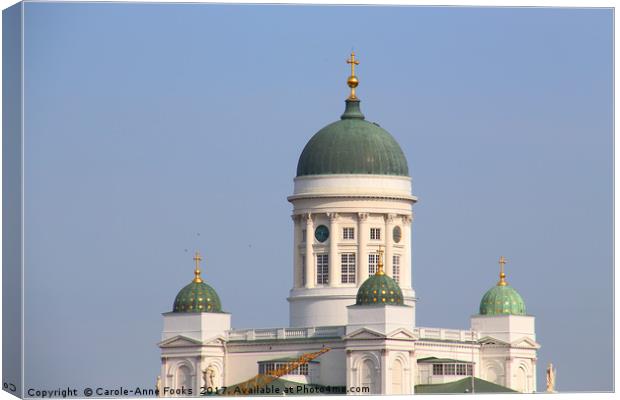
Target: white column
{"type": "Point", "coordinates": [362, 257]}
{"type": "Point", "coordinates": [296, 253]}
{"type": "Point", "coordinates": [310, 273]}
{"type": "Point", "coordinates": [389, 224]}
{"type": "Point", "coordinates": [413, 371]}
{"type": "Point", "coordinates": [165, 381]}
{"type": "Point", "coordinates": [334, 265]}
{"type": "Point", "coordinates": [384, 372]}
{"type": "Point", "coordinates": [508, 372]}
{"type": "Point", "coordinates": [349, 370]}
{"type": "Point", "coordinates": [533, 383]}
{"type": "Point", "coordinates": [405, 263]}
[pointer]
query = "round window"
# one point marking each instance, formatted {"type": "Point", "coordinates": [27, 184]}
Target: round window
{"type": "Point", "coordinates": [397, 234]}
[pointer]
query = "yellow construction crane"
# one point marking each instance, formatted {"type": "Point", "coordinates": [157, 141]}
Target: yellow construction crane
{"type": "Point", "coordinates": [261, 380]}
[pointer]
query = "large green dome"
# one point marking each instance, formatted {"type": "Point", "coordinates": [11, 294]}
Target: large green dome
{"type": "Point", "coordinates": [379, 289]}
{"type": "Point", "coordinates": [352, 146]}
{"type": "Point", "coordinates": [197, 297]}
{"type": "Point", "coordinates": [502, 300]}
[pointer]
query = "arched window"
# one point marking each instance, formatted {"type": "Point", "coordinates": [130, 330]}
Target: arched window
{"type": "Point", "coordinates": [397, 377]}
{"type": "Point", "coordinates": [493, 373]}
{"type": "Point", "coordinates": [521, 379]}
{"type": "Point", "coordinates": [184, 377]}
{"type": "Point", "coordinates": [368, 376]}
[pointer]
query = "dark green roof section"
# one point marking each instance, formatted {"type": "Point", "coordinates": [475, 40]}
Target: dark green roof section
{"type": "Point", "coordinates": [435, 360]}
{"type": "Point", "coordinates": [352, 146]}
{"type": "Point", "coordinates": [379, 290]}
{"type": "Point", "coordinates": [197, 297]}
{"type": "Point", "coordinates": [502, 300]}
{"type": "Point", "coordinates": [463, 386]}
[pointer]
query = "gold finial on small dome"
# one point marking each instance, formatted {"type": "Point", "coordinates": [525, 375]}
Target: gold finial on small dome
{"type": "Point", "coordinates": [380, 262]}
{"type": "Point", "coordinates": [502, 275]}
{"type": "Point", "coordinates": [352, 81]}
{"type": "Point", "coordinates": [197, 259]}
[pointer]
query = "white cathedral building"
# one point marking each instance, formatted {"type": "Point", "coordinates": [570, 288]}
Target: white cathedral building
{"type": "Point", "coordinates": [351, 292]}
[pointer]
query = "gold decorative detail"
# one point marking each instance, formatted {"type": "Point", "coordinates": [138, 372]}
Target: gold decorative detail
{"type": "Point", "coordinates": [197, 259]}
{"type": "Point", "coordinates": [352, 82]}
{"type": "Point", "coordinates": [380, 263]}
{"type": "Point", "coordinates": [550, 375]}
{"type": "Point", "coordinates": [502, 275]}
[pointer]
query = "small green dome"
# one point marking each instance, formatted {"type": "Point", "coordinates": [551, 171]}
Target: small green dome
{"type": "Point", "coordinates": [197, 297]}
{"type": "Point", "coordinates": [379, 289]}
{"type": "Point", "coordinates": [352, 146]}
{"type": "Point", "coordinates": [502, 300]}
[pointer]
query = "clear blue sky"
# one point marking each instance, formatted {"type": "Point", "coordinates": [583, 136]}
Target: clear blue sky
{"type": "Point", "coordinates": [147, 124]}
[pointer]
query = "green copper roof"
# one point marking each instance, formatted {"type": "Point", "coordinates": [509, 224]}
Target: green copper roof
{"type": "Point", "coordinates": [197, 297]}
{"type": "Point", "coordinates": [502, 300]}
{"type": "Point", "coordinates": [379, 290]}
{"type": "Point", "coordinates": [462, 386]}
{"type": "Point", "coordinates": [352, 146]}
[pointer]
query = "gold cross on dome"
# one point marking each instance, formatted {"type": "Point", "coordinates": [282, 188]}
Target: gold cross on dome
{"type": "Point", "coordinates": [353, 63]}
{"type": "Point", "coordinates": [197, 260]}
{"type": "Point", "coordinates": [502, 274]}
{"type": "Point", "coordinates": [380, 262]}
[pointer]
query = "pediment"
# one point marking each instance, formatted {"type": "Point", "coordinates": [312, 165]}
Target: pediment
{"type": "Point", "coordinates": [489, 340]}
{"type": "Point", "coordinates": [402, 333]}
{"type": "Point", "coordinates": [525, 342]}
{"type": "Point", "coordinates": [365, 333]}
{"type": "Point", "coordinates": [216, 340]}
{"type": "Point", "coordinates": [179, 341]}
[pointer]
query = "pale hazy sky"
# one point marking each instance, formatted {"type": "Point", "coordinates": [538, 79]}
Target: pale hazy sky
{"type": "Point", "coordinates": [147, 124]}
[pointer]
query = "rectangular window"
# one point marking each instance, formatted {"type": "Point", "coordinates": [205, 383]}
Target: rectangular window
{"type": "Point", "coordinates": [396, 268]}
{"type": "Point", "coordinates": [347, 264]}
{"type": "Point", "coordinates": [303, 236]}
{"type": "Point", "coordinates": [266, 368]}
{"type": "Point", "coordinates": [437, 369]}
{"type": "Point", "coordinates": [348, 233]}
{"type": "Point", "coordinates": [303, 369]}
{"type": "Point", "coordinates": [373, 259]}
{"type": "Point", "coordinates": [448, 369]}
{"type": "Point", "coordinates": [460, 369]}
{"type": "Point", "coordinates": [303, 270]}
{"type": "Point", "coordinates": [322, 269]}
{"type": "Point", "coordinates": [470, 370]}
{"type": "Point", "coordinates": [375, 233]}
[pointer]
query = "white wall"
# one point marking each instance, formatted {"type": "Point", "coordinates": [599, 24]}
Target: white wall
{"type": "Point", "coordinates": [361, 202]}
